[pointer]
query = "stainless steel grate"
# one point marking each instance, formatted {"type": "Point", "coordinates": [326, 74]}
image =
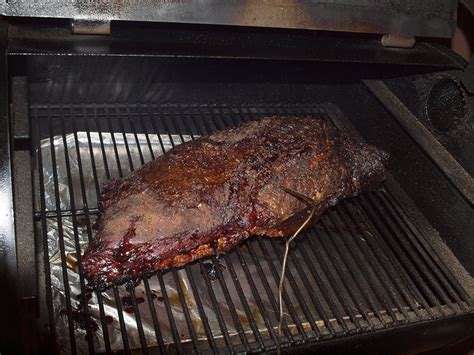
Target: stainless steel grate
{"type": "Point", "coordinates": [364, 266]}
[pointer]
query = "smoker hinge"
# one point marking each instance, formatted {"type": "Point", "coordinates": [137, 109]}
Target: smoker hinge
{"type": "Point", "coordinates": [90, 27]}
{"type": "Point", "coordinates": [396, 41]}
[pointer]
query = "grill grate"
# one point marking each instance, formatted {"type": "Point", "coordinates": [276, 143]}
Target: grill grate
{"type": "Point", "coordinates": [364, 266]}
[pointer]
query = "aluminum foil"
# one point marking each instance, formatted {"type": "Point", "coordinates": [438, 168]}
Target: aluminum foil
{"type": "Point", "coordinates": [75, 166]}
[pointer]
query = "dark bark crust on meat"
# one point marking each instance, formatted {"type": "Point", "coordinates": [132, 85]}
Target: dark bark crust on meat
{"type": "Point", "coordinates": [206, 196]}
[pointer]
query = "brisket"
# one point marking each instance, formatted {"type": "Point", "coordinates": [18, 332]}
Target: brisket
{"type": "Point", "coordinates": [208, 195]}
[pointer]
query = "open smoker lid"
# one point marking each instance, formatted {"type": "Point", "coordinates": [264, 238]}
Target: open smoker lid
{"type": "Point", "coordinates": [427, 18]}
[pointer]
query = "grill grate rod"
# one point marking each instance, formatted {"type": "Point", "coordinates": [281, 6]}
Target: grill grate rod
{"type": "Point", "coordinates": [76, 238]}
{"type": "Point", "coordinates": [381, 228]}
{"type": "Point", "coordinates": [432, 272]}
{"type": "Point", "coordinates": [138, 319]}
{"type": "Point", "coordinates": [248, 313]}
{"type": "Point", "coordinates": [215, 307]}
{"type": "Point", "coordinates": [108, 175]}
{"type": "Point", "coordinates": [318, 251]}
{"type": "Point", "coordinates": [184, 306]}
{"type": "Point", "coordinates": [391, 253]}
{"type": "Point", "coordinates": [122, 131]}
{"type": "Point", "coordinates": [327, 298]}
{"type": "Point", "coordinates": [271, 297]}
{"type": "Point", "coordinates": [260, 304]}
{"type": "Point", "coordinates": [397, 208]}
{"type": "Point", "coordinates": [373, 278]}
{"type": "Point", "coordinates": [116, 292]}
{"type": "Point", "coordinates": [232, 308]}
{"type": "Point", "coordinates": [156, 324]}
{"type": "Point", "coordinates": [453, 286]}
{"type": "Point", "coordinates": [310, 290]}
{"type": "Point", "coordinates": [149, 297]}
{"type": "Point", "coordinates": [132, 292]}
{"type": "Point", "coordinates": [202, 314]}
{"type": "Point", "coordinates": [292, 282]}
{"type": "Point", "coordinates": [47, 270]}
{"type": "Point", "coordinates": [65, 213]}
{"type": "Point", "coordinates": [123, 329]}
{"type": "Point", "coordinates": [353, 266]}
{"type": "Point", "coordinates": [89, 230]}
{"type": "Point", "coordinates": [169, 312]}
{"type": "Point", "coordinates": [355, 280]}
{"type": "Point", "coordinates": [88, 221]}
{"type": "Point", "coordinates": [286, 297]}
{"type": "Point", "coordinates": [374, 254]}
{"type": "Point", "coordinates": [65, 276]}
{"type": "Point", "coordinates": [121, 175]}
{"type": "Point", "coordinates": [410, 255]}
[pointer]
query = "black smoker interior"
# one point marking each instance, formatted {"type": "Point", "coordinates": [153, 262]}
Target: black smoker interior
{"type": "Point", "coordinates": [388, 271]}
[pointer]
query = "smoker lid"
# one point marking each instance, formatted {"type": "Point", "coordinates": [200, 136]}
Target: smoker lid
{"type": "Point", "coordinates": [428, 18]}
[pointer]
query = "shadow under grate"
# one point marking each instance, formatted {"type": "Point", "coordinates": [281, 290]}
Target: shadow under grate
{"type": "Point", "coordinates": [364, 266]}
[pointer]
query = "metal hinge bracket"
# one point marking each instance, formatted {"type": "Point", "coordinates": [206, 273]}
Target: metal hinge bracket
{"type": "Point", "coordinates": [396, 41]}
{"type": "Point", "coordinates": [90, 27]}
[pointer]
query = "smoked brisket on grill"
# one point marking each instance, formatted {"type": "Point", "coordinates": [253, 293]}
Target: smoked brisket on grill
{"type": "Point", "coordinates": [208, 195]}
